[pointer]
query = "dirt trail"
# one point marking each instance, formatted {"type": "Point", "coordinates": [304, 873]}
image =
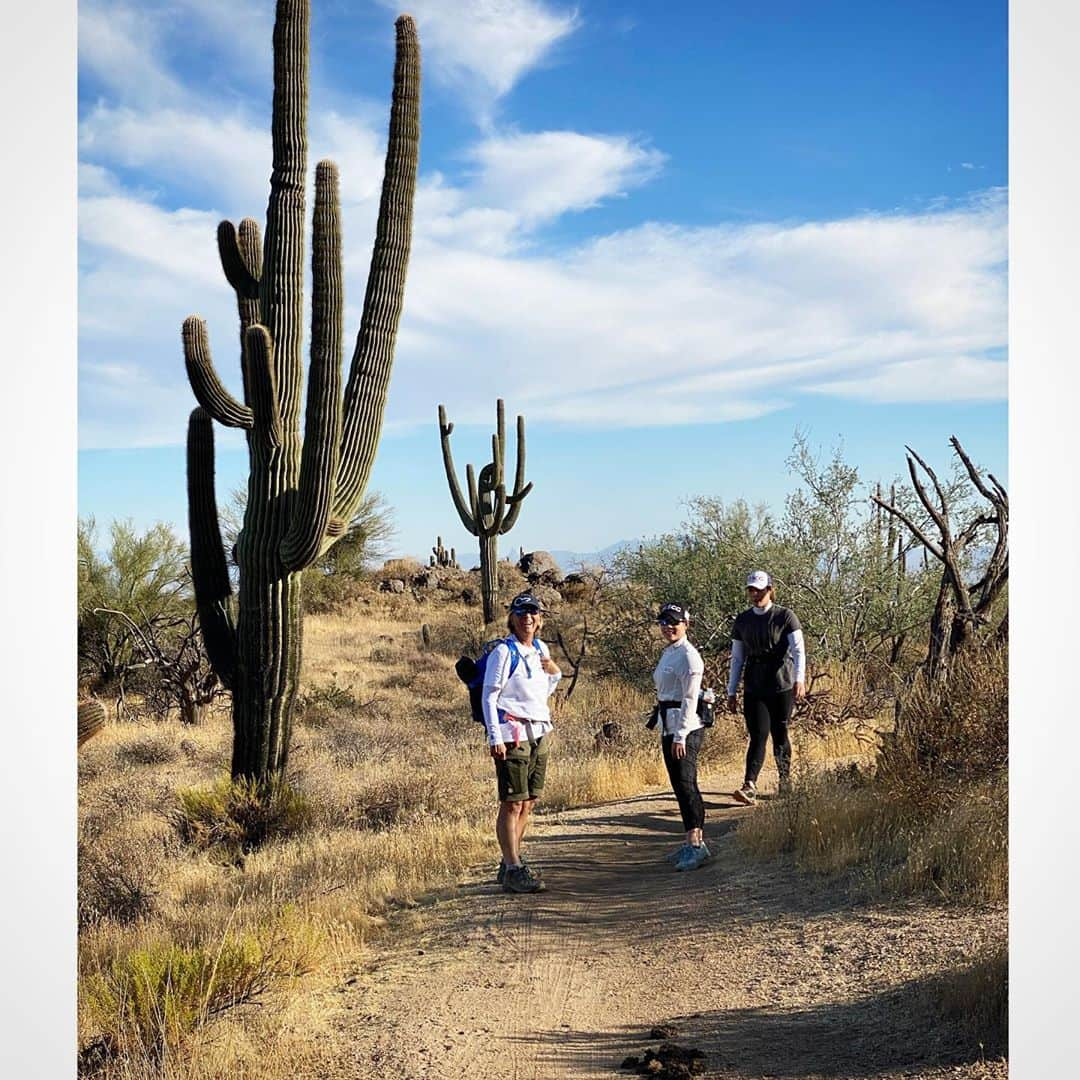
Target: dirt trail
{"type": "Point", "coordinates": [769, 972]}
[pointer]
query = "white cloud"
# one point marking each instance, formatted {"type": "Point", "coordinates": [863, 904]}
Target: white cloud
{"type": "Point", "coordinates": [119, 44]}
{"type": "Point", "coordinates": [543, 175]}
{"type": "Point", "coordinates": [484, 47]}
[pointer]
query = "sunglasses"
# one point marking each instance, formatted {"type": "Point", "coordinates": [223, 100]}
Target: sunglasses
{"type": "Point", "coordinates": [669, 622]}
{"type": "Point", "coordinates": [525, 611]}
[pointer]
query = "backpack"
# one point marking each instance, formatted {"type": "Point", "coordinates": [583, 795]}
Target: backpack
{"type": "Point", "coordinates": [471, 672]}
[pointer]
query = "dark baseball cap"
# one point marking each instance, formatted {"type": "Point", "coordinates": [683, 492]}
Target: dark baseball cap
{"type": "Point", "coordinates": [673, 613]}
{"type": "Point", "coordinates": [525, 602]}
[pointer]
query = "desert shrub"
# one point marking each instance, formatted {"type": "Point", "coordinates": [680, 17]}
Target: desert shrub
{"type": "Point", "coordinates": [239, 816]}
{"type": "Point", "coordinates": [117, 881]}
{"type": "Point", "coordinates": [332, 594]}
{"type": "Point", "coordinates": [955, 730]}
{"type": "Point", "coordinates": [842, 821]}
{"type": "Point", "coordinates": [153, 996]}
{"type": "Point", "coordinates": [962, 850]}
{"type": "Point", "coordinates": [147, 750]}
{"type": "Point", "coordinates": [978, 996]}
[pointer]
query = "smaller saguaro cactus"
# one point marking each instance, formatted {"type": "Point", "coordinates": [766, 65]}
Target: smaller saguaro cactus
{"type": "Point", "coordinates": [441, 557]}
{"type": "Point", "coordinates": [490, 509]}
{"type": "Point", "coordinates": [91, 719]}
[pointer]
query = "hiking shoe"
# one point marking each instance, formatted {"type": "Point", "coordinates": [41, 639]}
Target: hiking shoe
{"type": "Point", "coordinates": [674, 856]}
{"type": "Point", "coordinates": [747, 794]}
{"type": "Point", "coordinates": [693, 857]}
{"type": "Point", "coordinates": [520, 879]}
{"type": "Point", "coordinates": [500, 875]}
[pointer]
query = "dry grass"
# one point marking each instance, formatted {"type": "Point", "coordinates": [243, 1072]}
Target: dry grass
{"type": "Point", "coordinates": [844, 822]}
{"type": "Point", "coordinates": [978, 996]}
{"type": "Point", "coordinates": [184, 879]}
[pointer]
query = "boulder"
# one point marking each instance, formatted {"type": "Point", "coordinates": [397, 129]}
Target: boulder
{"type": "Point", "coordinates": [540, 566]}
{"type": "Point", "coordinates": [394, 585]}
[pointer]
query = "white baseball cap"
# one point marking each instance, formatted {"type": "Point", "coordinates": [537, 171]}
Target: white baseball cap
{"type": "Point", "coordinates": [758, 580]}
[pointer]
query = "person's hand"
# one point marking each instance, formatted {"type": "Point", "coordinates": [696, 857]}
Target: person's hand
{"type": "Point", "coordinates": [678, 750]}
{"type": "Point", "coordinates": [731, 706]}
{"type": "Point", "coordinates": [498, 751]}
{"type": "Point", "coordinates": [549, 666]}
{"type": "Point", "coordinates": [800, 691]}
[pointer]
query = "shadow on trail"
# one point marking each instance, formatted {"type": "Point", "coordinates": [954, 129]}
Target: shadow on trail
{"type": "Point", "coordinates": [890, 1032]}
{"type": "Point", "coordinates": [607, 877]}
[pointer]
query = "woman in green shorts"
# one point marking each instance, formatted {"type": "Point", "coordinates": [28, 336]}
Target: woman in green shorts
{"type": "Point", "coordinates": [519, 677]}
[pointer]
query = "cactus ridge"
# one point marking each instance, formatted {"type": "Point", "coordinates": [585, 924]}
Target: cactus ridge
{"type": "Point", "coordinates": [91, 719]}
{"type": "Point", "coordinates": [489, 510]}
{"type": "Point", "coordinates": [301, 492]}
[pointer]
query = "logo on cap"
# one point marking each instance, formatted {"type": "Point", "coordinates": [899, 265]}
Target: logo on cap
{"type": "Point", "coordinates": [758, 580]}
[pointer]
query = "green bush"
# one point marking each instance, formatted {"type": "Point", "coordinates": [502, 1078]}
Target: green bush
{"type": "Point", "coordinates": [153, 996]}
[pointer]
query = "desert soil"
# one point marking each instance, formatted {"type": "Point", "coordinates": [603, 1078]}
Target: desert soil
{"type": "Point", "coordinates": [770, 972]}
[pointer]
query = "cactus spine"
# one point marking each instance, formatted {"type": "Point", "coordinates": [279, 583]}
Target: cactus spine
{"type": "Point", "coordinates": [490, 509]}
{"type": "Point", "coordinates": [301, 495]}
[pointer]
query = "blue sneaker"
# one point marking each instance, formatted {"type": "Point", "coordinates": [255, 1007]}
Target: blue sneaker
{"type": "Point", "coordinates": [676, 855]}
{"type": "Point", "coordinates": [692, 857]}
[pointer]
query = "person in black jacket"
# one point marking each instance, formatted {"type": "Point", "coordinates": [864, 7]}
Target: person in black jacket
{"type": "Point", "coordinates": [766, 645]}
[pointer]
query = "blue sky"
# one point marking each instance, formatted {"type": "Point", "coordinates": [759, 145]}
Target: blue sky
{"type": "Point", "coordinates": [668, 241]}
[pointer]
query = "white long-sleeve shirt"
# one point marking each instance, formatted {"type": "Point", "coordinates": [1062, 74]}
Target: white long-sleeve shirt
{"type": "Point", "coordinates": [523, 695]}
{"type": "Point", "coordinates": [678, 678]}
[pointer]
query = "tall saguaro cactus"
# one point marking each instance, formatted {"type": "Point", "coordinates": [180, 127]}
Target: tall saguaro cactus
{"type": "Point", "coordinates": [491, 510]}
{"type": "Point", "coordinates": [301, 494]}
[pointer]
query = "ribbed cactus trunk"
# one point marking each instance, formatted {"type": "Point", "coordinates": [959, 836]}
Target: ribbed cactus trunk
{"type": "Point", "coordinates": [490, 509]}
{"type": "Point", "coordinates": [489, 576]}
{"type": "Point", "coordinates": [301, 493]}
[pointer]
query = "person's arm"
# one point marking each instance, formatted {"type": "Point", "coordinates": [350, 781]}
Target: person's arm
{"type": "Point", "coordinates": [553, 671]}
{"type": "Point", "coordinates": [797, 648]}
{"type": "Point", "coordinates": [738, 659]}
{"type": "Point", "coordinates": [495, 675]}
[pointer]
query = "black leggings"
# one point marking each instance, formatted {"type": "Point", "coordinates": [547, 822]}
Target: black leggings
{"type": "Point", "coordinates": [767, 714]}
{"type": "Point", "coordinates": [683, 775]}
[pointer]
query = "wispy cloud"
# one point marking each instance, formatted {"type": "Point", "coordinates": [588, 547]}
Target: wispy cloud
{"type": "Point", "coordinates": [482, 48]}
{"type": "Point", "coordinates": [647, 325]}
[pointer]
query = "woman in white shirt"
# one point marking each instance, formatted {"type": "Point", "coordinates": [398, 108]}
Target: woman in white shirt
{"type": "Point", "coordinates": [678, 681]}
{"type": "Point", "coordinates": [519, 677]}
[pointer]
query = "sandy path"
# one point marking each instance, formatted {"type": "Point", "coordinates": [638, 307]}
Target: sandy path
{"type": "Point", "coordinates": [769, 972]}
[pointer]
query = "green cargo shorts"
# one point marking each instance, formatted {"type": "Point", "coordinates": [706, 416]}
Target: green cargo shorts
{"type": "Point", "coordinates": [521, 773]}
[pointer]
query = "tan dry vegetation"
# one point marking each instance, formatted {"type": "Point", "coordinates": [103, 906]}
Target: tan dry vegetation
{"type": "Point", "coordinates": [203, 957]}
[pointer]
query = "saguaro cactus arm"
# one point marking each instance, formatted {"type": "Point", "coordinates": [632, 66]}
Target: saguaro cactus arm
{"type": "Point", "coordinates": [241, 257]}
{"type": "Point", "coordinates": [262, 382]}
{"type": "Point", "coordinates": [369, 372]}
{"type": "Point", "coordinates": [322, 425]}
{"type": "Point", "coordinates": [466, 511]}
{"type": "Point", "coordinates": [208, 388]}
{"type": "Point", "coordinates": [521, 489]}
{"type": "Point", "coordinates": [209, 570]}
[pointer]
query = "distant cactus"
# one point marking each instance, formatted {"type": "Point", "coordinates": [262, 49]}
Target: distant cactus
{"type": "Point", "coordinates": [91, 719]}
{"type": "Point", "coordinates": [441, 557]}
{"type": "Point", "coordinates": [491, 510]}
{"type": "Point", "coordinates": [300, 497]}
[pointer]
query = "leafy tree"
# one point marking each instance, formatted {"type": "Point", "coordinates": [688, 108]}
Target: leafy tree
{"type": "Point", "coordinates": [145, 576]}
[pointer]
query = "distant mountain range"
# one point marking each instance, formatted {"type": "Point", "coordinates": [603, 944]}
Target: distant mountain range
{"type": "Point", "coordinates": [570, 561]}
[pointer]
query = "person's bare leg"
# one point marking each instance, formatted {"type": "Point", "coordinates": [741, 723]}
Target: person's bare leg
{"type": "Point", "coordinates": [523, 817]}
{"type": "Point", "coordinates": [508, 832]}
